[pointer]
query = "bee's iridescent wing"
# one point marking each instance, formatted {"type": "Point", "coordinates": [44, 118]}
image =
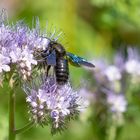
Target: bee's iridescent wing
{"type": "Point", "coordinates": [78, 61]}
{"type": "Point", "coordinates": [51, 58]}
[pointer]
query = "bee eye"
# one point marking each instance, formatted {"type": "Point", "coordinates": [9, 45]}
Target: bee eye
{"type": "Point", "coordinates": [51, 44]}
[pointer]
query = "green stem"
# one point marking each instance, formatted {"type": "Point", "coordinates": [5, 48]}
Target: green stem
{"type": "Point", "coordinates": [112, 133]}
{"type": "Point", "coordinates": [113, 129]}
{"type": "Point", "coordinates": [12, 135]}
{"type": "Point", "coordinates": [12, 130]}
{"type": "Point", "coordinates": [23, 129]}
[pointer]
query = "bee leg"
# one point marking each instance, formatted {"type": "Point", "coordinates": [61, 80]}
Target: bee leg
{"type": "Point", "coordinates": [48, 68]}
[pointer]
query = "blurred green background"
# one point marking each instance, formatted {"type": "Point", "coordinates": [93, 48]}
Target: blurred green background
{"type": "Point", "coordinates": [92, 28]}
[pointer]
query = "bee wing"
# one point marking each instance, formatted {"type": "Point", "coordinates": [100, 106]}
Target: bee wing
{"type": "Point", "coordinates": [78, 61]}
{"type": "Point", "coordinates": [51, 58]}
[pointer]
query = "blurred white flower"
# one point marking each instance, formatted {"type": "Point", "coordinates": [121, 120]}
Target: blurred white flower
{"type": "Point", "coordinates": [113, 73]}
{"type": "Point", "coordinates": [117, 102]}
{"type": "Point", "coordinates": [133, 67]}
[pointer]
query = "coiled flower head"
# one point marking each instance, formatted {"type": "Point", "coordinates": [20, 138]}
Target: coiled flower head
{"type": "Point", "coordinates": [53, 104]}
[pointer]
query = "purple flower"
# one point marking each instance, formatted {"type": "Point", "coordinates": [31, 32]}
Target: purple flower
{"type": "Point", "coordinates": [112, 73]}
{"type": "Point", "coordinates": [108, 76]}
{"type": "Point", "coordinates": [132, 65]}
{"type": "Point", "coordinates": [116, 101]}
{"type": "Point", "coordinates": [87, 95]}
{"type": "Point", "coordinates": [99, 71]}
{"type": "Point", "coordinates": [53, 104]}
{"type": "Point", "coordinates": [6, 36]}
{"type": "Point", "coordinates": [20, 46]}
{"type": "Point", "coordinates": [4, 61]}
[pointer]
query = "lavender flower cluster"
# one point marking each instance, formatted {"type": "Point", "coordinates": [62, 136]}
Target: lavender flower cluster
{"type": "Point", "coordinates": [108, 78]}
{"type": "Point", "coordinates": [48, 102]}
{"type": "Point", "coordinates": [114, 79]}
{"type": "Point", "coordinates": [109, 91]}
{"type": "Point", "coordinates": [18, 45]}
{"type": "Point", "coordinates": [106, 96]}
{"type": "Point", "coordinates": [53, 104]}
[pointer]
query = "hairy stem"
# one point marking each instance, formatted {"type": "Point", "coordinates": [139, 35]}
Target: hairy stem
{"type": "Point", "coordinates": [12, 134]}
{"type": "Point", "coordinates": [25, 128]}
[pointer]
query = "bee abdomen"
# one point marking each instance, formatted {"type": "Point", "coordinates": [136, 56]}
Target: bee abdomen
{"type": "Point", "coordinates": [62, 71]}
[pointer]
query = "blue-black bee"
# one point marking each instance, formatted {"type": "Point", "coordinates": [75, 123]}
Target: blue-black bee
{"type": "Point", "coordinates": [55, 55]}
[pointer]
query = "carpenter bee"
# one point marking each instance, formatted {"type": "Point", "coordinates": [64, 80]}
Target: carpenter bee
{"type": "Point", "coordinates": [55, 55]}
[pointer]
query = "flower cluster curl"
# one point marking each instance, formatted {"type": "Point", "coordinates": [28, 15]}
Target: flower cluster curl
{"type": "Point", "coordinates": [18, 46]}
{"type": "Point", "coordinates": [53, 104]}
